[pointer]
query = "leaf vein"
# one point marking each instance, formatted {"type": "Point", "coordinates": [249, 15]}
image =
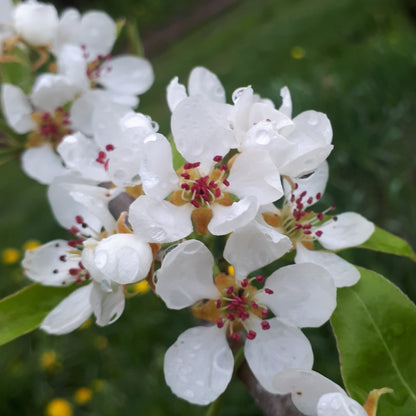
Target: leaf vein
{"type": "Point", "coordinates": [393, 361]}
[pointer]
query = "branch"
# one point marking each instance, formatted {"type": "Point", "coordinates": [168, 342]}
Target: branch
{"type": "Point", "coordinates": [270, 404]}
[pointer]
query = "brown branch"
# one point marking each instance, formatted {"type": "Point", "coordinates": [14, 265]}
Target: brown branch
{"type": "Point", "coordinates": [270, 404]}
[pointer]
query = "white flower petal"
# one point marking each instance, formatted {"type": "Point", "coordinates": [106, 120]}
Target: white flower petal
{"type": "Point", "coordinates": [254, 174]}
{"type": "Point", "coordinates": [302, 161]}
{"type": "Point", "coordinates": [124, 167]}
{"type": "Point", "coordinates": [43, 264]}
{"type": "Point", "coordinates": [304, 294]}
{"type": "Point", "coordinates": [199, 365]}
{"type": "Point", "coordinates": [227, 219]}
{"type": "Point", "coordinates": [306, 388]}
{"type": "Point", "coordinates": [107, 306]}
{"type": "Point", "coordinates": [68, 29]}
{"type": "Point", "coordinates": [311, 128]}
{"type": "Point", "coordinates": [70, 196]}
{"type": "Point", "coordinates": [79, 154]}
{"type": "Point", "coordinates": [342, 272]}
{"type": "Point", "coordinates": [312, 135]}
{"type": "Point", "coordinates": [36, 22]}
{"type": "Point", "coordinates": [156, 170]}
{"type": "Point", "coordinates": [16, 109]}
{"type": "Point", "coordinates": [198, 120]}
{"type": "Point", "coordinates": [123, 258]}
{"type": "Point", "coordinates": [107, 120]}
{"type": "Point", "coordinates": [243, 99]}
{"type": "Point", "coordinates": [186, 275]}
{"type": "Point", "coordinates": [339, 404]}
{"type": "Point", "coordinates": [6, 10]}
{"type": "Point", "coordinates": [206, 83]}
{"type": "Point", "coordinates": [42, 163]}
{"type": "Point", "coordinates": [276, 349]}
{"type": "Point", "coordinates": [264, 135]}
{"type": "Point", "coordinates": [159, 221]}
{"type": "Point", "coordinates": [127, 75]}
{"type": "Point", "coordinates": [314, 184]}
{"type": "Point", "coordinates": [97, 33]}
{"type": "Point", "coordinates": [254, 246]}
{"type": "Point", "coordinates": [286, 107]}
{"type": "Point", "coordinates": [51, 91]}
{"type": "Point", "coordinates": [82, 109]}
{"type": "Point", "coordinates": [71, 313]}
{"type": "Point", "coordinates": [175, 93]}
{"type": "Point", "coordinates": [73, 65]}
{"type": "Point", "coordinates": [349, 230]}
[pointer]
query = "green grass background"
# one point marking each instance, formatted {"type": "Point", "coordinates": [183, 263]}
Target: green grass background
{"type": "Point", "coordinates": [358, 68]}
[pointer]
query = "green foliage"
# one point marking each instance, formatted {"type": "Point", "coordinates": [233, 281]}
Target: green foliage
{"type": "Point", "coordinates": [374, 325]}
{"type": "Point", "coordinates": [23, 311]}
{"type": "Point", "coordinates": [386, 242]}
{"type": "Point", "coordinates": [18, 73]}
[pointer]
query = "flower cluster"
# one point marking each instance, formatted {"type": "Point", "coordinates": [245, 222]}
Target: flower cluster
{"type": "Point", "coordinates": [249, 171]}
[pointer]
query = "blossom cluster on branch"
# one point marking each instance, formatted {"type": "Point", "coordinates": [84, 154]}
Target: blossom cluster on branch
{"type": "Point", "coordinates": [244, 172]}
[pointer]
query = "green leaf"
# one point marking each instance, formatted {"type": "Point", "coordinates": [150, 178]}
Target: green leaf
{"type": "Point", "coordinates": [23, 311]}
{"type": "Point", "coordinates": [386, 242]}
{"type": "Point", "coordinates": [133, 39]}
{"type": "Point", "coordinates": [18, 73]}
{"type": "Point", "coordinates": [374, 324]}
{"type": "Point", "coordinates": [178, 159]}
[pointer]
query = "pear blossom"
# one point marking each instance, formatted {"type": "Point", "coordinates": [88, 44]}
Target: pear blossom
{"type": "Point", "coordinates": [101, 262]}
{"type": "Point", "coordinates": [83, 48]}
{"type": "Point", "coordinates": [201, 191]}
{"type": "Point", "coordinates": [113, 152]}
{"type": "Point", "coordinates": [303, 226]}
{"type": "Point", "coordinates": [315, 395]}
{"type": "Point", "coordinates": [199, 365]}
{"type": "Point", "coordinates": [296, 146]}
{"type": "Point", "coordinates": [43, 117]}
{"type": "Point", "coordinates": [31, 22]}
{"type": "Point", "coordinates": [101, 167]}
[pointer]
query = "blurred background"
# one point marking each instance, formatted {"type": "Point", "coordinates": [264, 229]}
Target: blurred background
{"type": "Point", "coordinates": [351, 59]}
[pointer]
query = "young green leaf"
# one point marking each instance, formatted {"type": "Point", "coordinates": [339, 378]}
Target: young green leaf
{"type": "Point", "coordinates": [386, 242]}
{"type": "Point", "coordinates": [23, 311]}
{"type": "Point", "coordinates": [374, 324]}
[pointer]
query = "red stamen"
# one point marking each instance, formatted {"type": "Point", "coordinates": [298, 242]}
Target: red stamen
{"type": "Point", "coordinates": [251, 334]}
{"type": "Point", "coordinates": [235, 336]}
{"type": "Point", "coordinates": [268, 291]}
{"type": "Point", "coordinates": [265, 325]}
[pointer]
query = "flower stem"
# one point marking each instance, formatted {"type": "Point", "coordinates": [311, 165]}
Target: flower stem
{"type": "Point", "coordinates": [215, 407]}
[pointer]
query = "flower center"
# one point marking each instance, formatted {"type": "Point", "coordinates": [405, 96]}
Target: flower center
{"type": "Point", "coordinates": [80, 231]}
{"type": "Point", "coordinates": [296, 221]}
{"type": "Point", "coordinates": [200, 189]}
{"type": "Point", "coordinates": [234, 308]}
{"type": "Point", "coordinates": [51, 127]}
{"type": "Point", "coordinates": [94, 68]}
